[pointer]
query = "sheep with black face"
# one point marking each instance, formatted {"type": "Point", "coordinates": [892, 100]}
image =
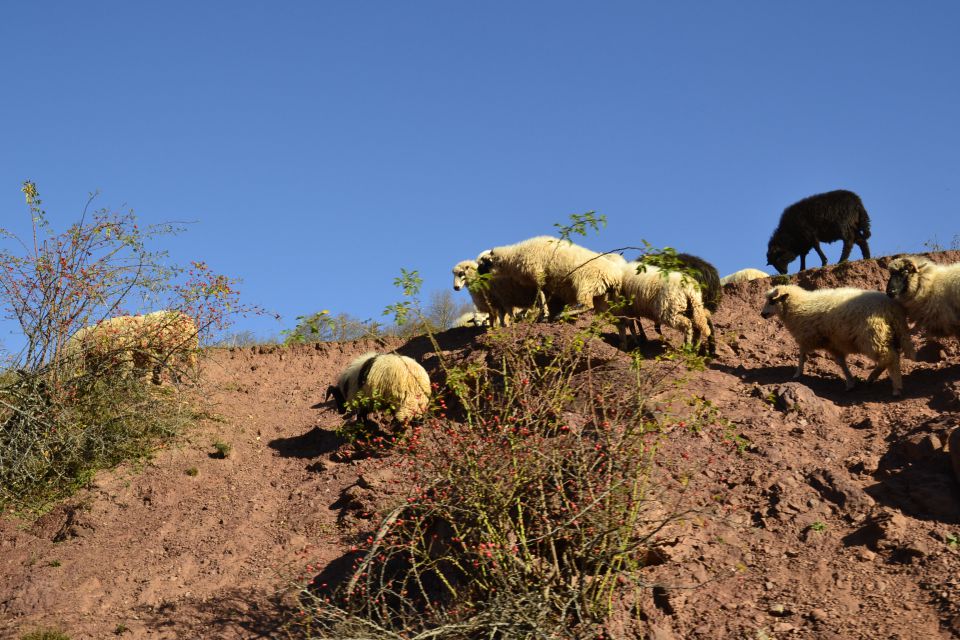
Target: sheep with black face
{"type": "Point", "coordinates": [397, 381]}
{"type": "Point", "coordinates": [929, 292]}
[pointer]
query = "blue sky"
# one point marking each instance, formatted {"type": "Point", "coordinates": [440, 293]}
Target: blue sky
{"type": "Point", "coordinates": [322, 146]}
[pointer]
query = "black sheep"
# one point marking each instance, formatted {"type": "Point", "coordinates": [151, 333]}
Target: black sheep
{"type": "Point", "coordinates": [825, 217]}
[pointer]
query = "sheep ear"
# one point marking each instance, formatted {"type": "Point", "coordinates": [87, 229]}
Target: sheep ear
{"type": "Point", "coordinates": [782, 297]}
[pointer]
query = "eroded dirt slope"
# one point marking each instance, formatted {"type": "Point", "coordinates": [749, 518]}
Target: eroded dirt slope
{"type": "Point", "coordinates": [815, 512]}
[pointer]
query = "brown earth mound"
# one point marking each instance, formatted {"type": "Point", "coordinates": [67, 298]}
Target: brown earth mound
{"type": "Point", "coordinates": [818, 513]}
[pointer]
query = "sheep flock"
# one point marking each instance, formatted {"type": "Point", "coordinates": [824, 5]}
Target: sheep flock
{"type": "Point", "coordinates": [547, 278]}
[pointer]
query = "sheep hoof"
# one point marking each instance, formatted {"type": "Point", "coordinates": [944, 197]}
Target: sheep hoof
{"type": "Point", "coordinates": [897, 393]}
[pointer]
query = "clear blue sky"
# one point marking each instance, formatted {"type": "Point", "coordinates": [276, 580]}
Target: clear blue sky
{"type": "Point", "coordinates": [322, 146]}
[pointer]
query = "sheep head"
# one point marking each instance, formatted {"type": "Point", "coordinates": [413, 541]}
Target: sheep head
{"type": "Point", "coordinates": [779, 257]}
{"type": "Point", "coordinates": [775, 299]}
{"type": "Point", "coordinates": [463, 272]}
{"type": "Point", "coordinates": [903, 282]}
{"type": "Point", "coordinates": [486, 262]}
{"type": "Point", "coordinates": [338, 398]}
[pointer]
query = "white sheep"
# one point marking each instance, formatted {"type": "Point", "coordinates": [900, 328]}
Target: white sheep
{"type": "Point", "coordinates": [615, 258]}
{"type": "Point", "coordinates": [501, 298]}
{"type": "Point", "coordinates": [930, 293]}
{"type": "Point", "coordinates": [744, 275]}
{"type": "Point", "coordinates": [666, 297]}
{"type": "Point", "coordinates": [396, 380]}
{"type": "Point", "coordinates": [131, 344]}
{"type": "Point", "coordinates": [841, 322]}
{"type": "Point", "coordinates": [472, 319]}
{"type": "Point", "coordinates": [570, 274]}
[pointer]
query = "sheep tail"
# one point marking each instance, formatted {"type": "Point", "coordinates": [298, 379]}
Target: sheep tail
{"type": "Point", "coordinates": [863, 222]}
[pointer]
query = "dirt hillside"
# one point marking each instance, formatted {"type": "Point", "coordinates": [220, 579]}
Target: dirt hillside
{"type": "Point", "coordinates": [815, 512]}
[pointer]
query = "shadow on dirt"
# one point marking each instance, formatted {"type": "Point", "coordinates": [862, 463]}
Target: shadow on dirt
{"type": "Point", "coordinates": [311, 444]}
{"type": "Point", "coordinates": [449, 340]}
{"type": "Point", "coordinates": [915, 476]}
{"type": "Point", "coordinates": [824, 384]}
{"type": "Point", "coordinates": [240, 612]}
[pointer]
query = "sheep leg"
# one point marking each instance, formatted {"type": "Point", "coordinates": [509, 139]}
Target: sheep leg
{"type": "Point", "coordinates": [893, 368]}
{"type": "Point", "coordinates": [542, 303]}
{"type": "Point", "coordinates": [622, 325]}
{"type": "Point", "coordinates": [864, 249]}
{"type": "Point", "coordinates": [823, 256]}
{"type": "Point", "coordinates": [803, 262]}
{"type": "Point", "coordinates": [638, 331]}
{"type": "Point", "coordinates": [684, 325]}
{"type": "Point", "coordinates": [711, 339]}
{"type": "Point", "coordinates": [622, 330]}
{"type": "Point", "coordinates": [847, 248]}
{"type": "Point", "coordinates": [851, 381]}
{"type": "Point", "coordinates": [800, 363]}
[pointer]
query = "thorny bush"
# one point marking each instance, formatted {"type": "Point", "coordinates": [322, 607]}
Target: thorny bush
{"type": "Point", "coordinates": [532, 510]}
{"type": "Point", "coordinates": [69, 407]}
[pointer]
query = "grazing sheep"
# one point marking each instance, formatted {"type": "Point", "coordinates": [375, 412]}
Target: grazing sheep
{"type": "Point", "coordinates": [930, 293]}
{"type": "Point", "coordinates": [665, 297]}
{"type": "Point", "coordinates": [166, 336]}
{"type": "Point", "coordinates": [109, 343]}
{"type": "Point", "coordinates": [744, 275]}
{"type": "Point", "coordinates": [501, 298]}
{"type": "Point", "coordinates": [396, 380]}
{"type": "Point", "coordinates": [132, 343]}
{"type": "Point", "coordinates": [472, 319]}
{"type": "Point", "coordinates": [825, 217]}
{"type": "Point", "coordinates": [571, 274]}
{"type": "Point", "coordinates": [708, 278]}
{"type": "Point", "coordinates": [841, 322]}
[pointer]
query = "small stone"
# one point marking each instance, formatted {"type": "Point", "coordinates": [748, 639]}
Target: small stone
{"type": "Point", "coordinates": [865, 554]}
{"type": "Point", "coordinates": [818, 615]}
{"type": "Point", "coordinates": [780, 610]}
{"type": "Point", "coordinates": [783, 627]}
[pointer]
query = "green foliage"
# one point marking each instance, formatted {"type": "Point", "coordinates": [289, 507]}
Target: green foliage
{"type": "Point", "coordinates": [689, 355]}
{"type": "Point", "coordinates": [193, 472]}
{"type": "Point", "coordinates": [80, 399]}
{"type": "Point", "coordinates": [667, 261]}
{"type": "Point", "coordinates": [221, 449]}
{"type": "Point", "coordinates": [49, 448]}
{"type": "Point", "coordinates": [324, 327]}
{"type": "Point", "coordinates": [580, 223]}
{"type": "Point", "coordinates": [519, 523]}
{"type": "Point", "coordinates": [45, 634]}
{"type": "Point", "coordinates": [780, 279]}
{"type": "Point", "coordinates": [818, 526]}
{"type": "Point", "coordinates": [409, 282]}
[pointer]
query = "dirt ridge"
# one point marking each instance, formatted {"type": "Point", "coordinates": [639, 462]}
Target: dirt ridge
{"type": "Point", "coordinates": [836, 514]}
